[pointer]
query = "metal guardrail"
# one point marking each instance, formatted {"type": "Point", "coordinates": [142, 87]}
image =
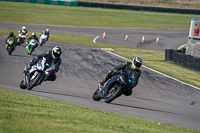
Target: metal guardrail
{"type": "Point", "coordinates": [139, 8]}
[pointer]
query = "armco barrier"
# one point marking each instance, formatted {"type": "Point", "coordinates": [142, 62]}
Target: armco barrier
{"type": "Point", "coordinates": [143, 8]}
{"type": "Point", "coordinates": [180, 58]}
{"type": "Point", "coordinates": [53, 2]}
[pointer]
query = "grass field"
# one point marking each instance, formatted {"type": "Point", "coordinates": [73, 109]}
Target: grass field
{"type": "Point", "coordinates": [20, 114]}
{"type": "Point", "coordinates": [92, 17]}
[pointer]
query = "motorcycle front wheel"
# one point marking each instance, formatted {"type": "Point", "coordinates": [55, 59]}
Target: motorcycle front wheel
{"type": "Point", "coordinates": [96, 96]}
{"type": "Point", "coordinates": [22, 86]}
{"type": "Point", "coordinates": [34, 81]}
{"type": "Point", "coordinates": [112, 94]}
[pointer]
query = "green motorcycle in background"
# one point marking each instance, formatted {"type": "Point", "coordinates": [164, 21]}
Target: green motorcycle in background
{"type": "Point", "coordinates": [31, 45]}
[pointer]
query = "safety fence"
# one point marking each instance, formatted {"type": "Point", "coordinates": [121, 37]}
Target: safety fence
{"type": "Point", "coordinates": [53, 2]}
{"type": "Point", "coordinates": [112, 6]}
{"type": "Point", "coordinates": [180, 58]}
{"type": "Point", "coordinates": [141, 8]}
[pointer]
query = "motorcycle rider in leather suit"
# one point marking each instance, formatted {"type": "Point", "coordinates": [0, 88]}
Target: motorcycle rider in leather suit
{"type": "Point", "coordinates": [55, 53]}
{"type": "Point", "coordinates": [131, 66]}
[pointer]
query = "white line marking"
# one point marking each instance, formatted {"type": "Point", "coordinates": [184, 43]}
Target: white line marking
{"type": "Point", "coordinates": [155, 71]}
{"type": "Point", "coordinates": [94, 41]}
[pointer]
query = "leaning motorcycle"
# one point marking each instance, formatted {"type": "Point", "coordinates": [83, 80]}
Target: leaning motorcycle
{"type": "Point", "coordinates": [21, 38]}
{"type": "Point", "coordinates": [43, 39]}
{"type": "Point", "coordinates": [114, 87]}
{"type": "Point", "coordinates": [31, 45]}
{"type": "Point", "coordinates": [10, 45]}
{"type": "Point", "coordinates": [37, 74]}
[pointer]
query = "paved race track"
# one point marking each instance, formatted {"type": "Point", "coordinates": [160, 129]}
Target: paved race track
{"type": "Point", "coordinates": [156, 97]}
{"type": "Point", "coordinates": [168, 38]}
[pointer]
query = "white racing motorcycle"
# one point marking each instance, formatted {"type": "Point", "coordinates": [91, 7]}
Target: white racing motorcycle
{"type": "Point", "coordinates": [21, 38]}
{"type": "Point", "coordinates": [43, 39]}
{"type": "Point", "coordinates": [37, 74]}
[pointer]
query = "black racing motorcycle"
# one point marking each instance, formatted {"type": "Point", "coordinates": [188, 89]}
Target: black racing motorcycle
{"type": "Point", "coordinates": [116, 86]}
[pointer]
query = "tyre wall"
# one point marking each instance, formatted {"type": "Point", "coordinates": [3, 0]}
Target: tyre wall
{"type": "Point", "coordinates": [180, 58]}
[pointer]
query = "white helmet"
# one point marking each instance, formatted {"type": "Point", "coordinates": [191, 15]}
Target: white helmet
{"type": "Point", "coordinates": [23, 27]}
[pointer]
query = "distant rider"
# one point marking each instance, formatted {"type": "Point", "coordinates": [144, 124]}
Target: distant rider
{"type": "Point", "coordinates": [131, 66]}
{"type": "Point", "coordinates": [48, 34]}
{"type": "Point", "coordinates": [11, 36]}
{"type": "Point", "coordinates": [55, 53]}
{"type": "Point", "coordinates": [23, 31]}
{"type": "Point", "coordinates": [33, 36]}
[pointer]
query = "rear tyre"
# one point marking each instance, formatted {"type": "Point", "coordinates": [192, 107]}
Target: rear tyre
{"type": "Point", "coordinates": [112, 94]}
{"type": "Point", "coordinates": [96, 96]}
{"type": "Point", "coordinates": [22, 86]}
{"type": "Point", "coordinates": [43, 41]}
{"type": "Point", "coordinates": [34, 81]}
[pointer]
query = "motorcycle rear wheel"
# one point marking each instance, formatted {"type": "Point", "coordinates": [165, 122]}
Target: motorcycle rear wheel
{"type": "Point", "coordinates": [96, 96]}
{"type": "Point", "coordinates": [43, 41]}
{"type": "Point", "coordinates": [113, 93]}
{"type": "Point", "coordinates": [34, 82]}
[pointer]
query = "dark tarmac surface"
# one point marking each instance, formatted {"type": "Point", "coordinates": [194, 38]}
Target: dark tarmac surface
{"type": "Point", "coordinates": [156, 97]}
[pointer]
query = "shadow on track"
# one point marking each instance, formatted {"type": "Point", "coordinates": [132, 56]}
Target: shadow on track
{"type": "Point", "coordinates": [48, 92]}
{"type": "Point", "coordinates": [142, 108]}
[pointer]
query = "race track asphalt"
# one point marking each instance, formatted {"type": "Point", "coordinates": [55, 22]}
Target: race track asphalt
{"type": "Point", "coordinates": [156, 96]}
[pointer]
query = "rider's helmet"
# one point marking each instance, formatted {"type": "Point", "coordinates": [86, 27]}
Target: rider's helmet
{"type": "Point", "coordinates": [136, 63]}
{"type": "Point", "coordinates": [47, 30]}
{"type": "Point", "coordinates": [44, 32]}
{"type": "Point", "coordinates": [11, 34]}
{"type": "Point", "coordinates": [23, 27]}
{"type": "Point", "coordinates": [56, 52]}
{"type": "Point", "coordinates": [34, 34]}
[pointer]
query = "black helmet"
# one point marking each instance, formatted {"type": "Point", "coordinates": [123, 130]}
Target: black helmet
{"type": "Point", "coordinates": [56, 52]}
{"type": "Point", "coordinates": [136, 63]}
{"type": "Point", "coordinates": [11, 34]}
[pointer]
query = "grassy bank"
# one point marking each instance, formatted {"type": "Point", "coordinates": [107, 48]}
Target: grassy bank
{"type": "Point", "coordinates": [93, 17]}
{"type": "Point", "coordinates": [20, 114]}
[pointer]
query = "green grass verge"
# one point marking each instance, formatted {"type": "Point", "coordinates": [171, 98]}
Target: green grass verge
{"type": "Point", "coordinates": [92, 17]}
{"type": "Point", "coordinates": [20, 114]}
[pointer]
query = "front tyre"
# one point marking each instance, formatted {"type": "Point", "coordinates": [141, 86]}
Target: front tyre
{"type": "Point", "coordinates": [33, 82]}
{"type": "Point", "coordinates": [22, 86]}
{"type": "Point", "coordinates": [96, 96]}
{"type": "Point", "coordinates": [112, 94]}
